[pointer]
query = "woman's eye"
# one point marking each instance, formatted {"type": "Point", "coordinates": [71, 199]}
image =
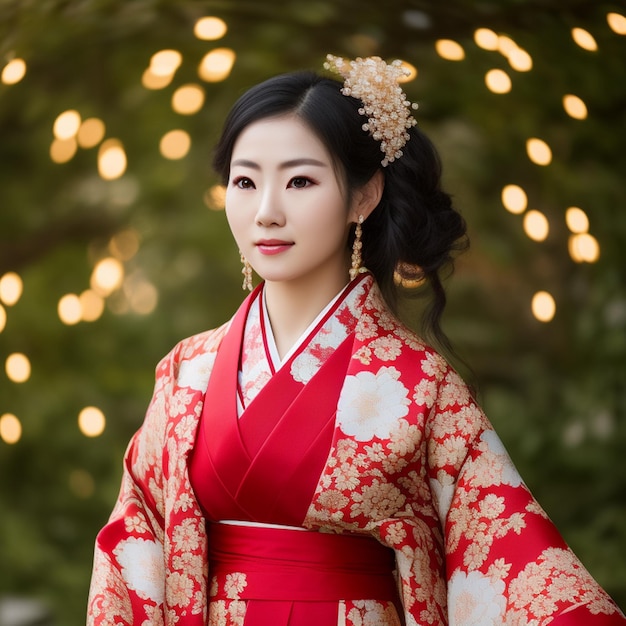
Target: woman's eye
{"type": "Point", "coordinates": [299, 182]}
{"type": "Point", "coordinates": [243, 183]}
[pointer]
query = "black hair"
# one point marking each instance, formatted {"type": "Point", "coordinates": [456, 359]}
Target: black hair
{"type": "Point", "coordinates": [414, 225]}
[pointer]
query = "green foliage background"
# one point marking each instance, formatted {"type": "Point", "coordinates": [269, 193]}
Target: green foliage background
{"type": "Point", "coordinates": [555, 392]}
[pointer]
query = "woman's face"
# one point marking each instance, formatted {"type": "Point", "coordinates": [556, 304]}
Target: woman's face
{"type": "Point", "coordinates": [287, 210]}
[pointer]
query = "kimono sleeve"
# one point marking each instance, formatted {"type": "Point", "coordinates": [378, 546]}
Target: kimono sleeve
{"type": "Point", "coordinates": [127, 585]}
{"type": "Point", "coordinates": [505, 561]}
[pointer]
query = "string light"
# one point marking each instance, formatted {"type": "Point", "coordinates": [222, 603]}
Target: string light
{"type": "Point", "coordinates": [538, 151]}
{"type": "Point", "coordinates": [543, 306]}
{"type": "Point", "coordinates": [91, 305]}
{"type": "Point", "coordinates": [514, 199]}
{"type": "Point", "coordinates": [617, 23]}
{"type": "Point", "coordinates": [520, 60]}
{"type": "Point", "coordinates": [91, 421]}
{"type": "Point", "coordinates": [13, 71]}
{"type": "Point", "coordinates": [584, 39]}
{"type": "Point", "coordinates": [536, 225]}
{"type": "Point", "coordinates": [216, 65]}
{"type": "Point", "coordinates": [498, 81]}
{"type": "Point", "coordinates": [574, 107]}
{"type": "Point", "coordinates": [576, 220]}
{"type": "Point", "coordinates": [210, 28]}
{"type": "Point", "coordinates": [583, 248]}
{"type": "Point", "coordinates": [69, 309]}
{"type": "Point", "coordinates": [486, 39]}
{"type": "Point", "coordinates": [449, 50]}
{"type": "Point", "coordinates": [152, 81]}
{"type": "Point", "coordinates": [63, 150]}
{"type": "Point", "coordinates": [66, 124]}
{"type": "Point", "coordinates": [111, 159]}
{"type": "Point", "coordinates": [165, 62]}
{"type": "Point", "coordinates": [107, 276]}
{"type": "Point", "coordinates": [188, 99]}
{"type": "Point", "coordinates": [215, 197]}
{"type": "Point", "coordinates": [175, 144]}
{"type": "Point", "coordinates": [17, 367]}
{"type": "Point", "coordinates": [10, 428]}
{"type": "Point", "coordinates": [11, 288]}
{"type": "Point", "coordinates": [91, 132]}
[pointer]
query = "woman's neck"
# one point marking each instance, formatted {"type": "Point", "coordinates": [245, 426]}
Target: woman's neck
{"type": "Point", "coordinates": [291, 309]}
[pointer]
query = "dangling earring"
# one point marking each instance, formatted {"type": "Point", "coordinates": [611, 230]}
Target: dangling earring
{"type": "Point", "coordinates": [247, 273]}
{"type": "Point", "coordinates": [357, 244]}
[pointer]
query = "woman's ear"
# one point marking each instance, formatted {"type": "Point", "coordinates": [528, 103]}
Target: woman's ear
{"type": "Point", "coordinates": [366, 198]}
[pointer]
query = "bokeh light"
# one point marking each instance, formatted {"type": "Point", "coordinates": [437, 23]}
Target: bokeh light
{"type": "Point", "coordinates": [107, 276]}
{"type": "Point", "coordinates": [91, 305]}
{"type": "Point", "coordinates": [617, 23]}
{"type": "Point", "coordinates": [10, 428]}
{"type": "Point", "coordinates": [498, 81]}
{"type": "Point", "coordinates": [154, 81]}
{"type": "Point", "coordinates": [449, 50]}
{"type": "Point", "coordinates": [111, 159]}
{"type": "Point", "coordinates": [17, 367]}
{"type": "Point", "coordinates": [210, 28]}
{"type": "Point", "coordinates": [188, 99]}
{"type": "Point", "coordinates": [165, 62]}
{"type": "Point", "coordinates": [3, 318]}
{"type": "Point", "coordinates": [584, 39]}
{"type": "Point", "coordinates": [91, 132]}
{"type": "Point", "coordinates": [215, 197]}
{"type": "Point", "coordinates": [63, 150]}
{"type": "Point", "coordinates": [216, 65]}
{"type": "Point", "coordinates": [543, 306]}
{"type": "Point", "coordinates": [583, 248]}
{"type": "Point", "coordinates": [575, 107]}
{"type": "Point", "coordinates": [576, 220]}
{"type": "Point", "coordinates": [11, 288]}
{"type": "Point", "coordinates": [514, 199]}
{"type": "Point", "coordinates": [69, 309]}
{"type": "Point", "coordinates": [66, 124]}
{"type": "Point", "coordinates": [91, 421]}
{"type": "Point", "coordinates": [175, 144]}
{"type": "Point", "coordinates": [538, 151]}
{"type": "Point", "coordinates": [13, 71]}
{"type": "Point", "coordinates": [125, 244]}
{"type": "Point", "coordinates": [486, 39]}
{"type": "Point", "coordinates": [536, 225]}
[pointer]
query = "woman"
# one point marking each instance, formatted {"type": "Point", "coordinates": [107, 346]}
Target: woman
{"type": "Point", "coordinates": [313, 461]}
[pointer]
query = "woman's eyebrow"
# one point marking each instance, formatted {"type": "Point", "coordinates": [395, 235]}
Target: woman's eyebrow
{"type": "Point", "coordinates": [283, 166]}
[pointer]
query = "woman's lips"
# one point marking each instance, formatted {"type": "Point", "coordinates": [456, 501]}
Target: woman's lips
{"type": "Point", "coordinates": [273, 246]}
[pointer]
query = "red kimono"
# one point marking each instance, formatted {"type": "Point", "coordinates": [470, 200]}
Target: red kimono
{"type": "Point", "coordinates": [365, 438]}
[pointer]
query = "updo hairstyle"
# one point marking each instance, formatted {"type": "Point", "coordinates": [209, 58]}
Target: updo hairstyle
{"type": "Point", "coordinates": [414, 224]}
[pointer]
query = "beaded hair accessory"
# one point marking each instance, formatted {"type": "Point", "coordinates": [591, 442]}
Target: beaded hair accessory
{"type": "Point", "coordinates": [385, 105]}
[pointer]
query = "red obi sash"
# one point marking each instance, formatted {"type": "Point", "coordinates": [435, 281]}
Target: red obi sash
{"type": "Point", "coordinates": [297, 577]}
{"type": "Point", "coordinates": [265, 465]}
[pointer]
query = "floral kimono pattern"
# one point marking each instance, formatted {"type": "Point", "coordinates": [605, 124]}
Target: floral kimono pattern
{"type": "Point", "coordinates": [413, 463]}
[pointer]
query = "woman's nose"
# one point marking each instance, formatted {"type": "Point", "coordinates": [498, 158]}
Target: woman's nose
{"type": "Point", "coordinates": [269, 211]}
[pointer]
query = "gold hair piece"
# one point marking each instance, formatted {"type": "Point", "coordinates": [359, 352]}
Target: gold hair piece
{"type": "Point", "coordinates": [376, 84]}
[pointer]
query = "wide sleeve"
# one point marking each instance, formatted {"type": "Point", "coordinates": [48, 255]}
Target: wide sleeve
{"type": "Point", "coordinates": [150, 558]}
{"type": "Point", "coordinates": [505, 561]}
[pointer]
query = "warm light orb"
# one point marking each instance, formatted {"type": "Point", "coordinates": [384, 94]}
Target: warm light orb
{"type": "Point", "coordinates": [91, 305]}
{"type": "Point", "coordinates": [111, 159]}
{"type": "Point", "coordinates": [486, 39]}
{"type": "Point", "coordinates": [584, 248]}
{"type": "Point", "coordinates": [3, 318]}
{"type": "Point", "coordinates": [543, 306]}
{"type": "Point", "coordinates": [449, 50]}
{"type": "Point", "coordinates": [175, 144]}
{"type": "Point", "coordinates": [216, 65]}
{"type": "Point", "coordinates": [91, 132]}
{"type": "Point", "coordinates": [165, 62]}
{"type": "Point", "coordinates": [514, 199]}
{"type": "Point", "coordinates": [188, 99]}
{"type": "Point", "coordinates": [584, 39]}
{"type": "Point", "coordinates": [107, 276]}
{"type": "Point", "coordinates": [13, 71]}
{"type": "Point", "coordinates": [10, 428]}
{"type": "Point", "coordinates": [152, 81]}
{"type": "Point", "coordinates": [506, 45]}
{"type": "Point", "coordinates": [215, 197]}
{"type": "Point", "coordinates": [69, 309]}
{"type": "Point", "coordinates": [498, 81]}
{"type": "Point", "coordinates": [142, 295]}
{"type": "Point", "coordinates": [538, 151]}
{"type": "Point", "coordinates": [125, 244]}
{"type": "Point", "coordinates": [66, 124]}
{"type": "Point", "coordinates": [575, 107]}
{"type": "Point", "coordinates": [17, 367]}
{"type": "Point", "coordinates": [536, 225]}
{"type": "Point", "coordinates": [617, 23]}
{"type": "Point", "coordinates": [11, 288]}
{"type": "Point", "coordinates": [520, 60]}
{"type": "Point", "coordinates": [91, 421]}
{"type": "Point", "coordinates": [63, 150]}
{"type": "Point", "coordinates": [576, 220]}
{"type": "Point", "coordinates": [210, 28]}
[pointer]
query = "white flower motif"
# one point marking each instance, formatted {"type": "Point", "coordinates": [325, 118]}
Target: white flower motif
{"type": "Point", "coordinates": [510, 475]}
{"type": "Point", "coordinates": [142, 567]}
{"type": "Point", "coordinates": [371, 404]}
{"type": "Point", "coordinates": [443, 491]}
{"type": "Point", "coordinates": [195, 372]}
{"type": "Point", "coordinates": [304, 367]}
{"type": "Point", "coordinates": [475, 600]}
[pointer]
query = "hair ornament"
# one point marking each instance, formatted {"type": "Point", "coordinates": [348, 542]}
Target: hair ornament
{"type": "Point", "coordinates": [376, 84]}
